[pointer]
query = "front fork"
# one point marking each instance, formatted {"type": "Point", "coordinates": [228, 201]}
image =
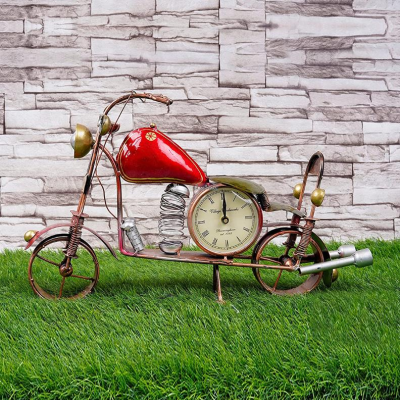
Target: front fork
{"type": "Point", "coordinates": [75, 234]}
{"type": "Point", "coordinates": [303, 244]}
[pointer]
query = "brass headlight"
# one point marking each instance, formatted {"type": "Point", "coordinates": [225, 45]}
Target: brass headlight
{"type": "Point", "coordinates": [317, 197]}
{"type": "Point", "coordinates": [81, 141]}
{"type": "Point", "coordinates": [297, 190]}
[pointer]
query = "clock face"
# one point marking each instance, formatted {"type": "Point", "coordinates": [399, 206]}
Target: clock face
{"type": "Point", "coordinates": [224, 221]}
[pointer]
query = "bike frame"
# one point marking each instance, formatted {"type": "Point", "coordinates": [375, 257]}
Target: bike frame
{"type": "Point", "coordinates": [315, 166]}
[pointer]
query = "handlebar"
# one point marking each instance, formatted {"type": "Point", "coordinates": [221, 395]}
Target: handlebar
{"type": "Point", "coordinates": [156, 97]}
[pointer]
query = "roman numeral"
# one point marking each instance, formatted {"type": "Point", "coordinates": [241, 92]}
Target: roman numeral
{"type": "Point", "coordinates": [202, 209]}
{"type": "Point", "coordinates": [246, 229]}
{"type": "Point", "coordinates": [249, 217]}
{"type": "Point", "coordinates": [237, 237]}
{"type": "Point", "coordinates": [214, 242]}
{"type": "Point", "coordinates": [226, 243]}
{"type": "Point", "coordinates": [245, 205]}
{"type": "Point", "coordinates": [234, 198]}
{"type": "Point", "coordinates": [211, 200]}
{"type": "Point", "coordinates": [205, 233]}
{"type": "Point", "coordinates": [201, 222]}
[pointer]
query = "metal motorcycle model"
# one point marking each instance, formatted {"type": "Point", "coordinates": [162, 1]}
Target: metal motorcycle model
{"type": "Point", "coordinates": [224, 217]}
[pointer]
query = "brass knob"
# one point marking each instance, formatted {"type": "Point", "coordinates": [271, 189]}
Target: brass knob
{"type": "Point", "coordinates": [317, 197]}
{"type": "Point", "coordinates": [297, 190]}
{"type": "Point", "coordinates": [29, 235]}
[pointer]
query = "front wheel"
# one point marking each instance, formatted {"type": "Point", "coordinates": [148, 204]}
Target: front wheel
{"type": "Point", "coordinates": [277, 248]}
{"type": "Point", "coordinates": [52, 277]}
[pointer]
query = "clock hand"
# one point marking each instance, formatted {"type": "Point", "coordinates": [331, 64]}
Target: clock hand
{"type": "Point", "coordinates": [224, 219]}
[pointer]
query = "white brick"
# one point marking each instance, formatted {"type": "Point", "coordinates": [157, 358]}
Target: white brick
{"type": "Point", "coordinates": [252, 124]}
{"type": "Point", "coordinates": [297, 26]}
{"type": "Point", "coordinates": [237, 169]}
{"type": "Point", "coordinates": [377, 51]}
{"type": "Point", "coordinates": [386, 5]}
{"type": "Point", "coordinates": [394, 153]}
{"type": "Point", "coordinates": [336, 153]}
{"type": "Point", "coordinates": [16, 26]}
{"type": "Point", "coordinates": [339, 99]}
{"type": "Point", "coordinates": [38, 121]}
{"type": "Point", "coordinates": [17, 185]}
{"type": "Point", "coordinates": [40, 168]}
{"type": "Point", "coordinates": [16, 227]}
{"type": "Point", "coordinates": [290, 57]}
{"type": "Point", "coordinates": [133, 7]}
{"type": "Point", "coordinates": [326, 84]}
{"type": "Point", "coordinates": [233, 36]}
{"type": "Point", "coordinates": [137, 70]}
{"type": "Point", "coordinates": [350, 230]}
{"type": "Point", "coordinates": [358, 212]}
{"type": "Point", "coordinates": [244, 154]}
{"type": "Point", "coordinates": [199, 107]}
{"type": "Point", "coordinates": [186, 57]}
{"type": "Point", "coordinates": [242, 79]}
{"type": "Point", "coordinates": [383, 196]}
{"type": "Point", "coordinates": [99, 85]}
{"type": "Point", "coordinates": [190, 34]}
{"type": "Point", "coordinates": [341, 128]}
{"type": "Point", "coordinates": [279, 98]}
{"type": "Point", "coordinates": [45, 57]}
{"type": "Point", "coordinates": [248, 16]}
{"type": "Point", "coordinates": [186, 5]}
{"type": "Point", "coordinates": [218, 93]}
{"type": "Point", "coordinates": [242, 62]}
{"type": "Point", "coordinates": [138, 49]}
{"type": "Point", "coordinates": [385, 67]}
{"type": "Point", "coordinates": [6, 150]}
{"type": "Point", "coordinates": [39, 150]}
{"type": "Point", "coordinates": [369, 175]}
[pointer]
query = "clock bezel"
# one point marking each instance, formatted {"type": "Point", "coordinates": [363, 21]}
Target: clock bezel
{"type": "Point", "coordinates": [204, 192]}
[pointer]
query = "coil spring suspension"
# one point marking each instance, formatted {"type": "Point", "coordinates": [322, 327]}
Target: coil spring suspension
{"type": "Point", "coordinates": [75, 233]}
{"type": "Point", "coordinates": [304, 241]}
{"type": "Point", "coordinates": [172, 218]}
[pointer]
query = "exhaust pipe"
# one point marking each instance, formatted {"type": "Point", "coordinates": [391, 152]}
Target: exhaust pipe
{"type": "Point", "coordinates": [346, 250]}
{"type": "Point", "coordinates": [360, 259]}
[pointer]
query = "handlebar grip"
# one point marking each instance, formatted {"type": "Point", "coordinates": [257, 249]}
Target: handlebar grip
{"type": "Point", "coordinates": [156, 97]}
{"type": "Point", "coordinates": [159, 97]}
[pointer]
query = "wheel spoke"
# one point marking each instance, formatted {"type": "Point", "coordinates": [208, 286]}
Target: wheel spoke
{"type": "Point", "coordinates": [61, 287]}
{"type": "Point", "coordinates": [82, 277]}
{"type": "Point", "coordinates": [48, 261]}
{"type": "Point", "coordinates": [277, 280]}
{"type": "Point", "coordinates": [271, 250]}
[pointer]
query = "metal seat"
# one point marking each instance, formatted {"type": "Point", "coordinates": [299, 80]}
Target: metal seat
{"type": "Point", "coordinates": [254, 188]}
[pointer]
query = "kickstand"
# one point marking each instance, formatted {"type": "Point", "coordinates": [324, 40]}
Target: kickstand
{"type": "Point", "coordinates": [217, 284]}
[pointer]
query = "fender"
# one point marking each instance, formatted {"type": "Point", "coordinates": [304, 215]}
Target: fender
{"type": "Point", "coordinates": [43, 231]}
{"type": "Point", "coordinates": [327, 275]}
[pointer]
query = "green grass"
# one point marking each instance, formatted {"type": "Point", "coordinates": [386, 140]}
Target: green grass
{"type": "Point", "coordinates": [153, 330]}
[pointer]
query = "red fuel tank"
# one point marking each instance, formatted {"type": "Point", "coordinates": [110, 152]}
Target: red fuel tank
{"type": "Point", "coordinates": [148, 156]}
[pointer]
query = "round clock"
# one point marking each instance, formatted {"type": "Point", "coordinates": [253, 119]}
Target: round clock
{"type": "Point", "coordinates": [223, 220]}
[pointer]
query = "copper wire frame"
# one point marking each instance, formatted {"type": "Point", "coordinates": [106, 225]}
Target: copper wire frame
{"type": "Point", "coordinates": [314, 167]}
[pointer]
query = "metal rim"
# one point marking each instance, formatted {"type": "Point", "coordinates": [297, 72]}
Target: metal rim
{"type": "Point", "coordinates": [36, 255]}
{"type": "Point", "coordinates": [203, 192]}
{"type": "Point", "coordinates": [307, 285]}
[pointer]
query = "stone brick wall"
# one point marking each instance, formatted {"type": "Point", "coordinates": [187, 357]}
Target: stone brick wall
{"type": "Point", "coordinates": [258, 87]}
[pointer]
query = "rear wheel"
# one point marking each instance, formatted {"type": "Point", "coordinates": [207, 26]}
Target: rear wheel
{"type": "Point", "coordinates": [277, 249]}
{"type": "Point", "coordinates": [51, 275]}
